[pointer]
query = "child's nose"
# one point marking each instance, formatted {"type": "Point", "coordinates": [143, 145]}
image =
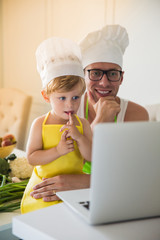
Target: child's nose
{"type": "Point", "coordinates": [69, 104]}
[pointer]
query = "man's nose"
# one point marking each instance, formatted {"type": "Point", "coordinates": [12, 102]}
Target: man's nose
{"type": "Point", "coordinates": [104, 81]}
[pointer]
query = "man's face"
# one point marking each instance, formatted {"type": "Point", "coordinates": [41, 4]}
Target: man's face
{"type": "Point", "coordinates": [103, 87]}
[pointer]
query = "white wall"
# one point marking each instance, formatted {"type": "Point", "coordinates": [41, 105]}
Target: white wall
{"type": "Point", "coordinates": [28, 22]}
{"type": "Point", "coordinates": [25, 23]}
{"type": "Point", "coordinates": [141, 60]}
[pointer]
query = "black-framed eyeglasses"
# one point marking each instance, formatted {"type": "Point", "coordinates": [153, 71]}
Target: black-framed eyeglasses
{"type": "Point", "coordinates": [97, 74]}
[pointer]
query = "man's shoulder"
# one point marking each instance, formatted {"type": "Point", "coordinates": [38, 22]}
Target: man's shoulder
{"type": "Point", "coordinates": [136, 112]}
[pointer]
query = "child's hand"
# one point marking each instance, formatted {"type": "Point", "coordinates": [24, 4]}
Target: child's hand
{"type": "Point", "coordinates": [72, 131]}
{"type": "Point", "coordinates": [65, 146]}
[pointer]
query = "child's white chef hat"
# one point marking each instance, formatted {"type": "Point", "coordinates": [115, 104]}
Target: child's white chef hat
{"type": "Point", "coordinates": [105, 45]}
{"type": "Point", "coordinates": [58, 57]}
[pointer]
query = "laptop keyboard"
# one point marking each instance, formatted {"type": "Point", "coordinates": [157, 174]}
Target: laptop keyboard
{"type": "Point", "coordinates": [85, 204]}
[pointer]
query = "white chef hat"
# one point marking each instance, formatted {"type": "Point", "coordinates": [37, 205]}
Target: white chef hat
{"type": "Point", "coordinates": [105, 45]}
{"type": "Point", "coordinates": [58, 57]}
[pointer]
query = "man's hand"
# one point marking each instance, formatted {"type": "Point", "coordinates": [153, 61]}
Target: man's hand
{"type": "Point", "coordinates": [49, 186]}
{"type": "Point", "coordinates": [106, 108]}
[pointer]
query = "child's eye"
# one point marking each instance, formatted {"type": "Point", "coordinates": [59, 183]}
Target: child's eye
{"type": "Point", "coordinates": [62, 98]}
{"type": "Point", "coordinates": [75, 97]}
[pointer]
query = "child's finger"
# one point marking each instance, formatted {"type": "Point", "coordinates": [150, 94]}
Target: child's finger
{"type": "Point", "coordinates": [68, 135]}
{"type": "Point", "coordinates": [70, 141]}
{"type": "Point", "coordinates": [64, 134]}
{"type": "Point", "coordinates": [70, 145]}
{"type": "Point", "coordinates": [70, 119]}
{"type": "Point", "coordinates": [63, 127]}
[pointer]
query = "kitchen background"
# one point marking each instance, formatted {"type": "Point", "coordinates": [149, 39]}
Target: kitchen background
{"type": "Point", "coordinates": [25, 23]}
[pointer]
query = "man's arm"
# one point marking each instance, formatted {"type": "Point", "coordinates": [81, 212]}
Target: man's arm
{"type": "Point", "coordinates": [136, 112]}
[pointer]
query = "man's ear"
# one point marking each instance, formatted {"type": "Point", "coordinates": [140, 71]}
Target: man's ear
{"type": "Point", "coordinates": [45, 96]}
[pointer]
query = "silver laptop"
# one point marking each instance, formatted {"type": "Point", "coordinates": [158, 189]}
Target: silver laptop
{"type": "Point", "coordinates": [125, 179]}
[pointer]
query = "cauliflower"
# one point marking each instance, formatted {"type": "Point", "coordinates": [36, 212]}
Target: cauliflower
{"type": "Point", "coordinates": [20, 168]}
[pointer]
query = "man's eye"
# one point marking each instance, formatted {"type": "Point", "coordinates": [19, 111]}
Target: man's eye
{"type": "Point", "coordinates": [75, 97]}
{"type": "Point", "coordinates": [96, 73]}
{"type": "Point", "coordinates": [62, 98]}
{"type": "Point", "coordinates": [113, 73]}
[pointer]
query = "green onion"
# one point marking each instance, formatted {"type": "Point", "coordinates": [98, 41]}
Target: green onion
{"type": "Point", "coordinates": [11, 195]}
{"type": "Point", "coordinates": [3, 180]}
{"type": "Point", "coordinates": [10, 207]}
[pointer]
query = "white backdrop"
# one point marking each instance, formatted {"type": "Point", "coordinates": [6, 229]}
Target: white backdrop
{"type": "Point", "coordinates": [25, 23]}
{"type": "Point", "coordinates": [142, 57]}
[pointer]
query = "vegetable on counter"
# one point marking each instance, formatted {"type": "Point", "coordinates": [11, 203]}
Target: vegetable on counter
{"type": "Point", "coordinates": [20, 168]}
{"type": "Point", "coordinates": [11, 194]}
{"type": "Point", "coordinates": [14, 175]}
{"type": "Point", "coordinates": [4, 164]}
{"type": "Point", "coordinates": [15, 166]}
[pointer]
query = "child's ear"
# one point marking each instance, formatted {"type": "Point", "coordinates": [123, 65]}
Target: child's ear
{"type": "Point", "coordinates": [45, 96]}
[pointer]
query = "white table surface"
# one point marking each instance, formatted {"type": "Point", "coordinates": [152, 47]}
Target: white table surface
{"type": "Point", "coordinates": [61, 223]}
{"type": "Point", "coordinates": [6, 217]}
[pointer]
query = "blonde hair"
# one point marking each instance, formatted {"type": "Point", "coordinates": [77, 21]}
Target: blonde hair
{"type": "Point", "coordinates": [64, 84]}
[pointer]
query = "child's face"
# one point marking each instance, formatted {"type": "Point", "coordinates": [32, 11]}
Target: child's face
{"type": "Point", "coordinates": [63, 103]}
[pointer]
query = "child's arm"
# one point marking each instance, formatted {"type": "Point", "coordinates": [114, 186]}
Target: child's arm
{"type": "Point", "coordinates": [84, 141]}
{"type": "Point", "coordinates": [36, 155]}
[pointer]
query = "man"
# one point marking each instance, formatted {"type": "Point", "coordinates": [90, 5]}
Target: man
{"type": "Point", "coordinates": [102, 57]}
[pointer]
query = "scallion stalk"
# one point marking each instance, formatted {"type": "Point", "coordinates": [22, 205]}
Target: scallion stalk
{"type": "Point", "coordinates": [10, 196]}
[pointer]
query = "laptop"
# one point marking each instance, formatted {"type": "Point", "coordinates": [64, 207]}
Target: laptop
{"type": "Point", "coordinates": [125, 177]}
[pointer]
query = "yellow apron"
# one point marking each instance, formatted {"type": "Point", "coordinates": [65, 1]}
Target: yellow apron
{"type": "Point", "coordinates": [71, 163]}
